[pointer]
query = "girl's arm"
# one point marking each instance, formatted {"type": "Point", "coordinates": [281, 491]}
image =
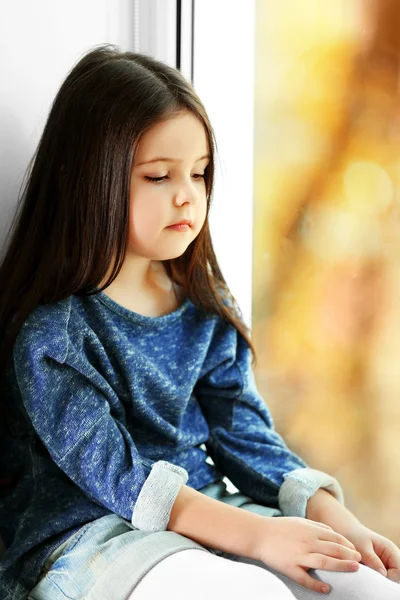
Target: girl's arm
{"type": "Point", "coordinates": [243, 442]}
{"type": "Point", "coordinates": [290, 545]}
{"type": "Point", "coordinates": [74, 412]}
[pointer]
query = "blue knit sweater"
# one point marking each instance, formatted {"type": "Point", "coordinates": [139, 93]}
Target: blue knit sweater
{"type": "Point", "coordinates": [100, 394]}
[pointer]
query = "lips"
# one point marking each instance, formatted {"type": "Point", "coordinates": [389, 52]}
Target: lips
{"type": "Point", "coordinates": [183, 222]}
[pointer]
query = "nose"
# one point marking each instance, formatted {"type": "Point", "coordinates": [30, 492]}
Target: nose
{"type": "Point", "coordinates": [185, 193]}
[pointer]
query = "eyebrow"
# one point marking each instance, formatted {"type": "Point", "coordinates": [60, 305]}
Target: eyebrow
{"type": "Point", "coordinates": [164, 159]}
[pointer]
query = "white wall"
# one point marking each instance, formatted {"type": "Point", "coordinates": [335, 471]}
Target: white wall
{"type": "Point", "coordinates": [39, 42]}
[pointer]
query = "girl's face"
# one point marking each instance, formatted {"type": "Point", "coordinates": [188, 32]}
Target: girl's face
{"type": "Point", "coordinates": [168, 187]}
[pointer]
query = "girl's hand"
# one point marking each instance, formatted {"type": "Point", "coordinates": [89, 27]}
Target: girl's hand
{"type": "Point", "coordinates": [376, 551]}
{"type": "Point", "coordinates": [291, 545]}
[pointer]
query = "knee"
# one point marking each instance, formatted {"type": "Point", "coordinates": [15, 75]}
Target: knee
{"type": "Point", "coordinates": [251, 581]}
{"type": "Point", "coordinates": [364, 584]}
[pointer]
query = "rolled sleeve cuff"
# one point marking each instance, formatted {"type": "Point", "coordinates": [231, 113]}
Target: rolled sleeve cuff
{"type": "Point", "coordinates": [298, 487]}
{"type": "Point", "coordinates": [154, 504]}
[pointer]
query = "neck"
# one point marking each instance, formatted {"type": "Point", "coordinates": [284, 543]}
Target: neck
{"type": "Point", "coordinates": [137, 273]}
{"type": "Point", "coordinates": [143, 286]}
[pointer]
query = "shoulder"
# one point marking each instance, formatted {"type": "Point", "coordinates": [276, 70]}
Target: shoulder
{"type": "Point", "coordinates": [47, 330]}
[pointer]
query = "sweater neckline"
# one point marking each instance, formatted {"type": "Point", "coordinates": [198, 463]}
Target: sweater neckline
{"type": "Point", "coordinates": [137, 317]}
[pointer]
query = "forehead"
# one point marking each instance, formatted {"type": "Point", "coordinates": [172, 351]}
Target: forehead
{"type": "Point", "coordinates": [182, 137]}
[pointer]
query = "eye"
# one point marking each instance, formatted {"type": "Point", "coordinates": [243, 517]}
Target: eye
{"type": "Point", "coordinates": [197, 176]}
{"type": "Point", "coordinates": [156, 179]}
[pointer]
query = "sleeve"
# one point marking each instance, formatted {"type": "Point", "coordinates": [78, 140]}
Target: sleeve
{"type": "Point", "coordinates": [69, 407]}
{"type": "Point", "coordinates": [243, 442]}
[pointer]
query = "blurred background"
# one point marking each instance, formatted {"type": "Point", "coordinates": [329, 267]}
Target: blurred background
{"type": "Point", "coordinates": [326, 279]}
{"type": "Point", "coordinates": [304, 99]}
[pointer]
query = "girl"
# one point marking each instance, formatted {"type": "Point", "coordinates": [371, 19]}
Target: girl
{"type": "Point", "coordinates": [125, 363]}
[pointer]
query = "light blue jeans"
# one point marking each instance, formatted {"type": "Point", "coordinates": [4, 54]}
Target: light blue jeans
{"type": "Point", "coordinates": [105, 559]}
{"type": "Point", "coordinates": [108, 557]}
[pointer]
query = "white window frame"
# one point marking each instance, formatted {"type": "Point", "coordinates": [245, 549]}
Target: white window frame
{"type": "Point", "coordinates": [224, 61]}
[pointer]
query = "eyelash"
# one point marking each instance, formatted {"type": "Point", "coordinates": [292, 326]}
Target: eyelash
{"type": "Point", "coordinates": [160, 179]}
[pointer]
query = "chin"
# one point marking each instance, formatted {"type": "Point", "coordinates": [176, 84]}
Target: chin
{"type": "Point", "coordinates": [173, 255]}
{"type": "Point", "coordinates": [163, 256]}
{"type": "Point", "coordinates": [174, 250]}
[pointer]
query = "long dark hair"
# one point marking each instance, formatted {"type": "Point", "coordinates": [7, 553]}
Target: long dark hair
{"type": "Point", "coordinates": [70, 230]}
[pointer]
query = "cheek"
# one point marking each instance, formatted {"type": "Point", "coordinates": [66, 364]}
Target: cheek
{"type": "Point", "coordinates": [145, 216]}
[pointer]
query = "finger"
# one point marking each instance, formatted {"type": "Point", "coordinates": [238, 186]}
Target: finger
{"type": "Point", "coordinates": [337, 551]}
{"type": "Point", "coordinates": [388, 552]}
{"type": "Point", "coordinates": [327, 563]}
{"type": "Point", "coordinates": [337, 538]}
{"type": "Point", "coordinates": [301, 577]}
{"type": "Point", "coordinates": [370, 559]}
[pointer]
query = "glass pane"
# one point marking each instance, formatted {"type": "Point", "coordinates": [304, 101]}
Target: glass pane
{"type": "Point", "coordinates": [326, 284]}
